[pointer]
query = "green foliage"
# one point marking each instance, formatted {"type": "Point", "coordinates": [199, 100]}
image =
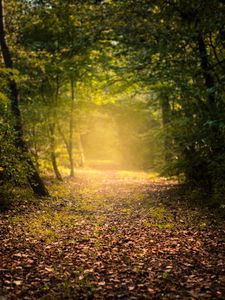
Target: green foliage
{"type": "Point", "coordinates": [174, 45]}
{"type": "Point", "coordinates": [154, 71]}
{"type": "Point", "coordinates": [12, 171]}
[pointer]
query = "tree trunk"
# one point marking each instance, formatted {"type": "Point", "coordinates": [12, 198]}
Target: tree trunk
{"type": "Point", "coordinates": [34, 150]}
{"type": "Point", "coordinates": [52, 126]}
{"type": "Point", "coordinates": [80, 149]}
{"type": "Point", "coordinates": [209, 79]}
{"type": "Point", "coordinates": [214, 115]}
{"type": "Point", "coordinates": [67, 149]}
{"type": "Point", "coordinates": [215, 136]}
{"type": "Point", "coordinates": [166, 115]}
{"type": "Point", "coordinates": [53, 154]}
{"type": "Point", "coordinates": [70, 148]}
{"type": "Point", "coordinates": [33, 176]}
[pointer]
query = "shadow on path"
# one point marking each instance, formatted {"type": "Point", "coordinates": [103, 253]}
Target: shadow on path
{"type": "Point", "coordinates": [111, 235]}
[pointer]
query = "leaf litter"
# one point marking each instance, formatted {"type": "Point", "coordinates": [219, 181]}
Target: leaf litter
{"type": "Point", "coordinates": [111, 236]}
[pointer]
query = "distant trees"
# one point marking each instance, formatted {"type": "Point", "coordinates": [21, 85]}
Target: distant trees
{"type": "Point", "coordinates": [178, 47]}
{"type": "Point", "coordinates": [63, 51]}
{"type": "Point", "coordinates": [53, 55]}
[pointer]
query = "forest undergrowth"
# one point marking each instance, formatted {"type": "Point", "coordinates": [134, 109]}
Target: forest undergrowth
{"type": "Point", "coordinates": [111, 235]}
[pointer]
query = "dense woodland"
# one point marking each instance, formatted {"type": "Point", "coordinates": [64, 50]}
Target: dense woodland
{"type": "Point", "coordinates": [149, 72]}
{"type": "Point", "coordinates": [112, 149]}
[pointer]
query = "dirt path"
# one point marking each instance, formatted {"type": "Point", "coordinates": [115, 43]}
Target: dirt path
{"type": "Point", "coordinates": [110, 235]}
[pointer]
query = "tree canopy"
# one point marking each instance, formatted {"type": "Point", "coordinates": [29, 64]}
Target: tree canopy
{"type": "Point", "coordinates": [150, 73]}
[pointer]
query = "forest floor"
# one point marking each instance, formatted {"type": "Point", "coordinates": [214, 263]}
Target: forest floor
{"type": "Point", "coordinates": [111, 235]}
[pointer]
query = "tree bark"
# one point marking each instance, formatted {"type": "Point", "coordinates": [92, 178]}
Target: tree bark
{"type": "Point", "coordinates": [209, 79]}
{"type": "Point", "coordinates": [81, 150]}
{"type": "Point", "coordinates": [51, 130]}
{"type": "Point", "coordinates": [33, 176]}
{"type": "Point", "coordinates": [166, 116]}
{"type": "Point", "coordinates": [53, 154]}
{"type": "Point", "coordinates": [67, 149]}
{"type": "Point", "coordinates": [70, 148]}
{"type": "Point", "coordinates": [52, 126]}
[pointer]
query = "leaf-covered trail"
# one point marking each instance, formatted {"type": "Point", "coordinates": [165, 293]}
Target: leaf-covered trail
{"type": "Point", "coordinates": [111, 235]}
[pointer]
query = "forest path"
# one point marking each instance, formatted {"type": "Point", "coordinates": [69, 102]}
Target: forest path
{"type": "Point", "coordinates": [111, 235]}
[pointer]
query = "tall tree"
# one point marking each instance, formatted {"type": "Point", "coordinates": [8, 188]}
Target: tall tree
{"type": "Point", "coordinates": [33, 176]}
{"type": "Point", "coordinates": [179, 44]}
